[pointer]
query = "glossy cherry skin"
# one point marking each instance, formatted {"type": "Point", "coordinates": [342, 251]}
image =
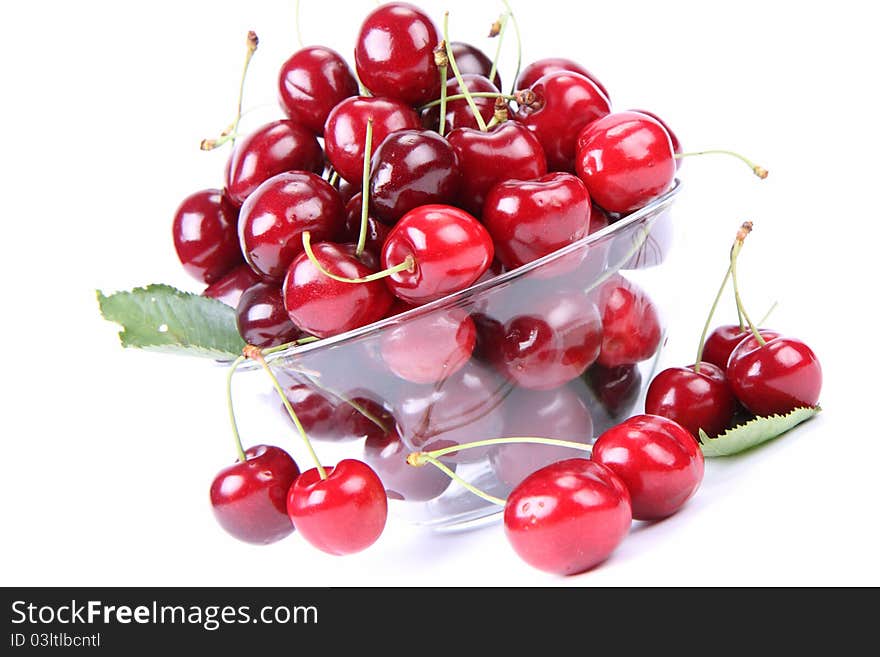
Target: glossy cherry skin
{"type": "Point", "coordinates": [450, 248]}
{"type": "Point", "coordinates": [261, 318]}
{"type": "Point", "coordinates": [630, 324]}
{"type": "Point", "coordinates": [775, 378]}
{"type": "Point", "coordinates": [272, 149]}
{"type": "Point", "coordinates": [537, 70]}
{"type": "Point", "coordinates": [249, 498]}
{"type": "Point", "coordinates": [430, 348]}
{"type": "Point", "coordinates": [386, 453]}
{"type": "Point", "coordinates": [626, 160]}
{"type": "Point", "coordinates": [412, 168]}
{"type": "Point", "coordinates": [658, 460]}
{"type": "Point", "coordinates": [377, 232]}
{"type": "Point", "coordinates": [567, 517]}
{"type": "Point", "coordinates": [564, 103]}
{"type": "Point", "coordinates": [206, 236]}
{"type": "Point", "coordinates": [695, 400]}
{"type": "Point", "coordinates": [723, 340]}
{"type": "Point", "coordinates": [311, 83]}
{"type": "Point", "coordinates": [345, 131]}
{"type": "Point", "coordinates": [322, 306]}
{"type": "Point", "coordinates": [472, 60]}
{"type": "Point", "coordinates": [508, 152]}
{"type": "Point", "coordinates": [458, 112]}
{"type": "Point", "coordinates": [394, 55]}
{"type": "Point", "coordinates": [616, 388]}
{"type": "Point", "coordinates": [230, 288]}
{"type": "Point", "coordinates": [342, 514]}
{"type": "Point", "coordinates": [529, 219]}
{"type": "Point", "coordinates": [275, 216]}
{"type": "Point", "coordinates": [676, 143]}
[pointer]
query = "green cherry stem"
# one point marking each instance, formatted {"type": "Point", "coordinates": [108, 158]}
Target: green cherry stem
{"type": "Point", "coordinates": [299, 36]}
{"type": "Point", "coordinates": [709, 320]}
{"type": "Point", "coordinates": [238, 447]}
{"type": "Point", "coordinates": [365, 189]}
{"type": "Point", "coordinates": [287, 345]}
{"type": "Point", "coordinates": [333, 178]}
{"type": "Point", "coordinates": [473, 489]}
{"type": "Point", "coordinates": [464, 90]}
{"type": "Point", "coordinates": [442, 62]}
{"type": "Point", "coordinates": [744, 230]}
{"type": "Point", "coordinates": [768, 313]}
{"type": "Point", "coordinates": [416, 458]}
{"type": "Point", "coordinates": [408, 264]}
{"type": "Point", "coordinates": [518, 45]}
{"type": "Point", "coordinates": [474, 94]}
{"type": "Point", "coordinates": [499, 28]}
{"type": "Point", "coordinates": [231, 132]}
{"type": "Point", "coordinates": [757, 169]}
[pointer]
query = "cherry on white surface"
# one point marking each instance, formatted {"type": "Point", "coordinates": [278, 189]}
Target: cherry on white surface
{"type": "Point", "coordinates": [109, 454]}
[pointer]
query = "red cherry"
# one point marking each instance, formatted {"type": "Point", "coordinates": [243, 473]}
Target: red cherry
{"type": "Point", "coordinates": [507, 152]}
{"type": "Point", "coordinates": [529, 219]}
{"type": "Point", "coordinates": [386, 453]}
{"type": "Point", "coordinates": [272, 149]}
{"type": "Point", "coordinates": [342, 514]}
{"type": "Point", "coordinates": [279, 211]}
{"type": "Point", "coordinates": [377, 232]}
{"type": "Point", "coordinates": [658, 460]}
{"type": "Point", "coordinates": [314, 409]}
{"type": "Point", "coordinates": [458, 112]}
{"type": "Point", "coordinates": [616, 388]}
{"type": "Point", "coordinates": [322, 306]}
{"type": "Point", "coordinates": [205, 235]}
{"type": "Point", "coordinates": [249, 497]}
{"type": "Point", "coordinates": [262, 319]}
{"type": "Point", "coordinates": [345, 131]}
{"type": "Point", "coordinates": [774, 378]}
{"type": "Point", "coordinates": [695, 400]}
{"type": "Point", "coordinates": [723, 340]}
{"type": "Point", "coordinates": [567, 517]}
{"type": "Point", "coordinates": [531, 73]}
{"type": "Point", "coordinates": [311, 83]}
{"type": "Point", "coordinates": [630, 324]}
{"type": "Point", "coordinates": [472, 60]}
{"type": "Point", "coordinates": [450, 249]}
{"type": "Point", "coordinates": [676, 144]}
{"type": "Point", "coordinates": [564, 103]}
{"type": "Point", "coordinates": [412, 168]}
{"type": "Point", "coordinates": [626, 160]}
{"type": "Point", "coordinates": [230, 288]}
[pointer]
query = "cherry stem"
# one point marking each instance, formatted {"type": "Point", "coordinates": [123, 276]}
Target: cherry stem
{"type": "Point", "coordinates": [252, 42]}
{"type": "Point", "coordinates": [499, 28]}
{"type": "Point", "coordinates": [442, 62]}
{"type": "Point", "coordinates": [500, 115]}
{"type": "Point", "coordinates": [299, 36]}
{"type": "Point", "coordinates": [288, 345]}
{"type": "Point", "coordinates": [420, 458]}
{"type": "Point", "coordinates": [407, 265]}
{"type": "Point", "coordinates": [238, 446]}
{"type": "Point", "coordinates": [709, 320]}
{"type": "Point", "coordinates": [464, 90]}
{"type": "Point", "coordinates": [474, 94]}
{"type": "Point", "coordinates": [744, 230]}
{"type": "Point", "coordinates": [518, 45]}
{"type": "Point", "coordinates": [473, 489]}
{"type": "Point", "coordinates": [333, 178]}
{"type": "Point", "coordinates": [365, 189]}
{"type": "Point", "coordinates": [757, 169]}
{"type": "Point", "coordinates": [639, 239]}
{"type": "Point", "coordinates": [254, 353]}
{"type": "Point", "coordinates": [768, 313]}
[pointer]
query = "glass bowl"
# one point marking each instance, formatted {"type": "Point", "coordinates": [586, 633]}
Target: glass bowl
{"type": "Point", "coordinates": [562, 347]}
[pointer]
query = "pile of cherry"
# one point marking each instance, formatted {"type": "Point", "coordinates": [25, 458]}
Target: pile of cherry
{"type": "Point", "coordinates": [369, 201]}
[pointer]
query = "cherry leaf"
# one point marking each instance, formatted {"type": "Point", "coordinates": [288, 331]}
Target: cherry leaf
{"type": "Point", "coordinates": [163, 318]}
{"type": "Point", "coordinates": [754, 432]}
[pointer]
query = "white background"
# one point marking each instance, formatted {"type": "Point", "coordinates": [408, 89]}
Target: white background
{"type": "Point", "coordinates": [108, 454]}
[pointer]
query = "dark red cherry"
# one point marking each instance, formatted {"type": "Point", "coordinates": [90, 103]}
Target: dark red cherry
{"type": "Point", "coordinates": [311, 83]}
{"type": "Point", "coordinates": [450, 251]}
{"type": "Point", "coordinates": [262, 319]}
{"type": "Point", "coordinates": [626, 160]}
{"type": "Point", "coordinates": [723, 340]}
{"type": "Point", "coordinates": [696, 400]}
{"type": "Point", "coordinates": [394, 55]}
{"type": "Point", "coordinates": [531, 73]}
{"type": "Point", "coordinates": [347, 190]}
{"type": "Point", "coordinates": [412, 168]}
{"type": "Point", "coordinates": [616, 388]}
{"type": "Point", "coordinates": [386, 453]}
{"type": "Point", "coordinates": [279, 211]}
{"type": "Point", "coordinates": [529, 219]}
{"type": "Point", "coordinates": [315, 409]}
{"type": "Point", "coordinates": [230, 288]}
{"type": "Point", "coordinates": [472, 60]}
{"type": "Point", "coordinates": [322, 306]}
{"type": "Point", "coordinates": [458, 112]}
{"type": "Point", "coordinates": [272, 149]}
{"type": "Point", "coordinates": [377, 232]}
{"type": "Point", "coordinates": [205, 235]}
{"type": "Point", "coordinates": [564, 103]}
{"type": "Point", "coordinates": [676, 144]}
{"type": "Point", "coordinates": [630, 324]}
{"type": "Point", "coordinates": [507, 152]}
{"type": "Point", "coordinates": [345, 131]}
{"type": "Point", "coordinates": [249, 498]}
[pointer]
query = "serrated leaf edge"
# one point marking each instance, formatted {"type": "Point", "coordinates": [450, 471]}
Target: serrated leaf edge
{"type": "Point", "coordinates": [706, 441]}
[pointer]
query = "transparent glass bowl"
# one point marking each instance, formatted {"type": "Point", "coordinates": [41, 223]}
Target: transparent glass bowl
{"type": "Point", "coordinates": [411, 382]}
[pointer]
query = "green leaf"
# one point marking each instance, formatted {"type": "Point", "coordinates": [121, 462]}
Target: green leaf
{"type": "Point", "coordinates": [754, 432]}
{"type": "Point", "coordinates": [162, 318]}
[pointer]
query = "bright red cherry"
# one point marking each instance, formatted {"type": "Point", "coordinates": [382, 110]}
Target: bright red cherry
{"type": "Point", "coordinates": [695, 400]}
{"type": "Point", "coordinates": [507, 152]}
{"type": "Point", "coordinates": [723, 340]}
{"type": "Point", "coordinates": [206, 236]}
{"type": "Point", "coordinates": [564, 103]}
{"type": "Point", "coordinates": [311, 83]}
{"type": "Point", "coordinates": [249, 498]}
{"type": "Point", "coordinates": [342, 514]}
{"type": "Point", "coordinates": [450, 250]}
{"type": "Point", "coordinates": [472, 60]}
{"type": "Point", "coordinates": [536, 70]}
{"type": "Point", "coordinates": [279, 211]}
{"type": "Point", "coordinates": [377, 232]}
{"type": "Point", "coordinates": [616, 388]}
{"type": "Point", "coordinates": [323, 306]}
{"type": "Point", "coordinates": [262, 319]}
{"type": "Point", "coordinates": [658, 460]}
{"type": "Point", "coordinates": [630, 324]}
{"type": "Point", "coordinates": [394, 55]}
{"type": "Point", "coordinates": [386, 453]}
{"type": "Point", "coordinates": [676, 143]}
{"type": "Point", "coordinates": [626, 160]}
{"type": "Point", "coordinates": [230, 288]}
{"type": "Point", "coordinates": [529, 219]}
{"type": "Point", "coordinates": [345, 131]}
{"type": "Point", "coordinates": [412, 168]}
{"type": "Point", "coordinates": [774, 378]}
{"type": "Point", "coordinates": [272, 149]}
{"type": "Point", "coordinates": [458, 112]}
{"type": "Point", "coordinates": [567, 517]}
